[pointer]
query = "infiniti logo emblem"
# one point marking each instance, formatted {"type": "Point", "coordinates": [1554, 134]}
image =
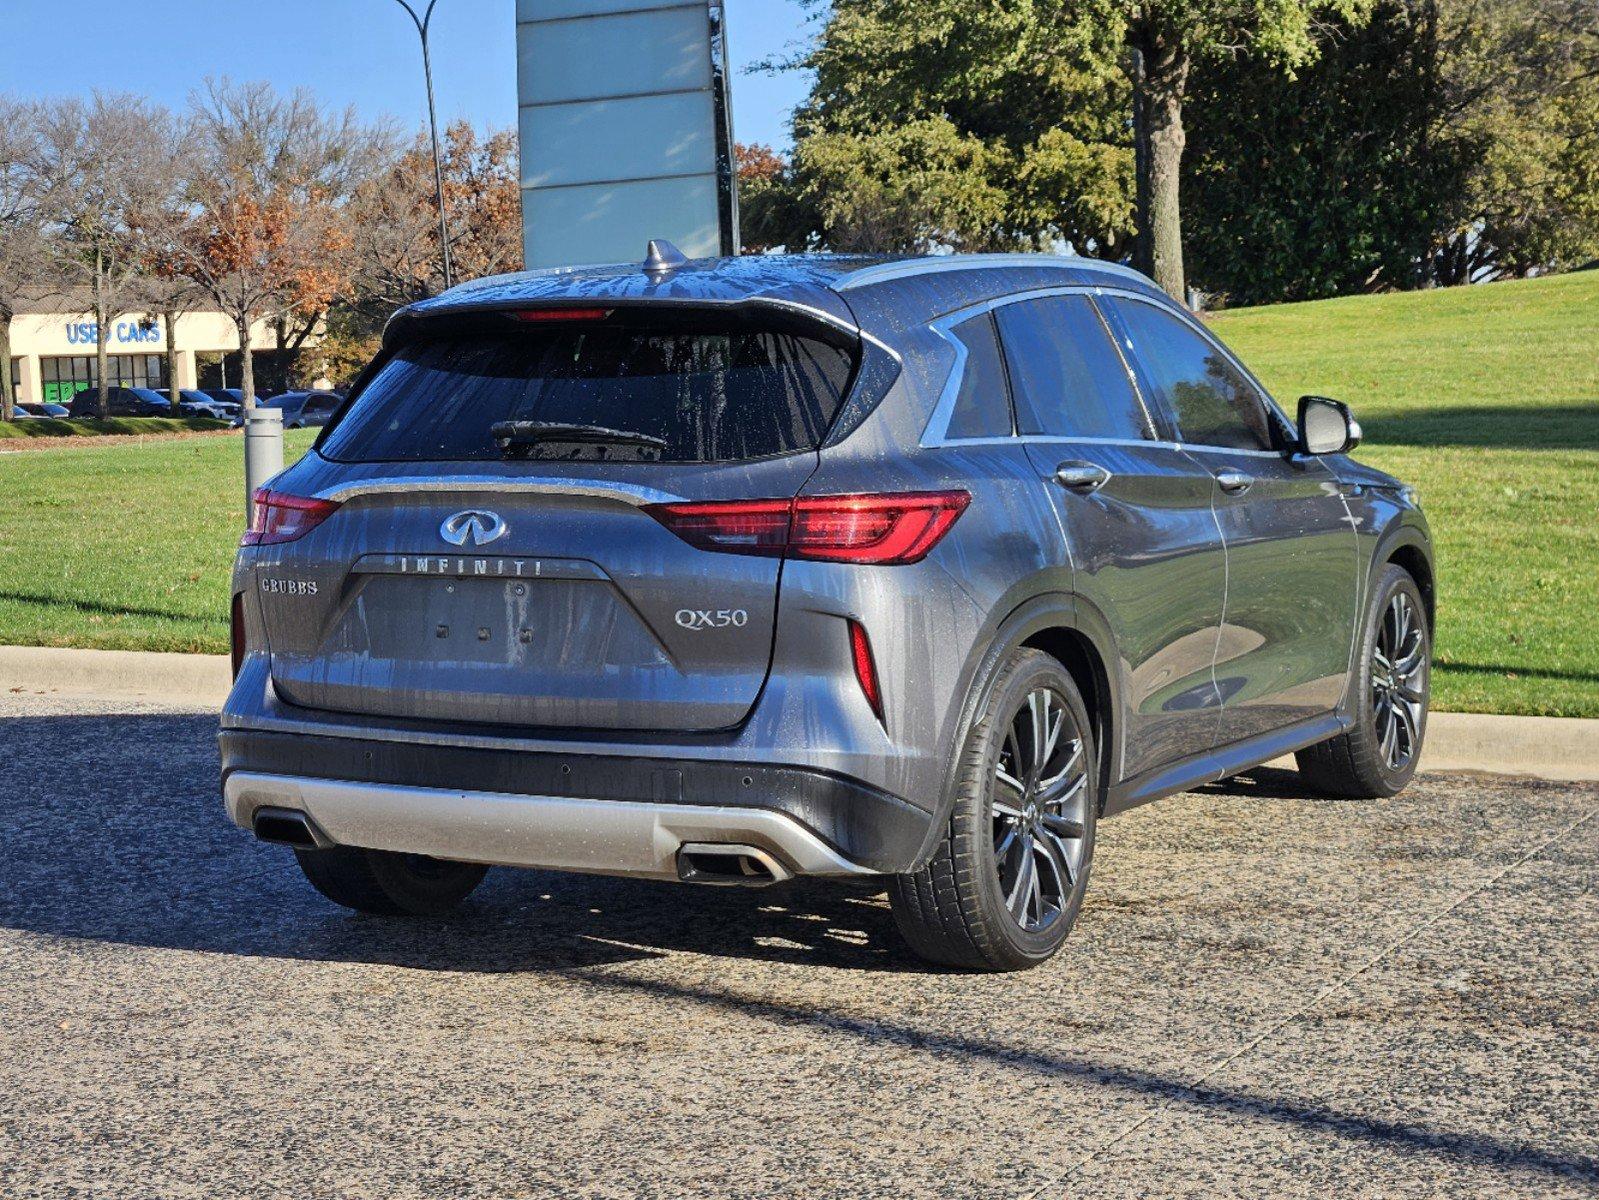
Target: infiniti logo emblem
{"type": "Point", "coordinates": [474, 527]}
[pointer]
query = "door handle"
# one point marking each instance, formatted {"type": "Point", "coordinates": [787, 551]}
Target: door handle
{"type": "Point", "coordinates": [1235, 482]}
{"type": "Point", "coordinates": [1078, 476]}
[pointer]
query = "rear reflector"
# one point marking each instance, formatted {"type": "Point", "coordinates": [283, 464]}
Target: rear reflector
{"type": "Point", "coordinates": [860, 650]}
{"type": "Point", "coordinates": [238, 633]}
{"type": "Point", "coordinates": [877, 529]}
{"type": "Point", "coordinates": [280, 517]}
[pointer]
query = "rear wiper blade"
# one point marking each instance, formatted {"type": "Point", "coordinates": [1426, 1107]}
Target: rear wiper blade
{"type": "Point", "coordinates": [511, 435]}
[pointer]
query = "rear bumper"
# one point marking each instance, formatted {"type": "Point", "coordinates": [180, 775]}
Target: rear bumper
{"type": "Point", "coordinates": [600, 813]}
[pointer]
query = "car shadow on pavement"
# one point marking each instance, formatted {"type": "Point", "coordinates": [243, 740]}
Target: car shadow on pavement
{"type": "Point", "coordinates": [1171, 1089]}
{"type": "Point", "coordinates": [1263, 783]}
{"type": "Point", "coordinates": [112, 829]}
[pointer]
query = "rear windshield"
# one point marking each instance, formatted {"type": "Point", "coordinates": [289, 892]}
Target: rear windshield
{"type": "Point", "coordinates": [696, 395]}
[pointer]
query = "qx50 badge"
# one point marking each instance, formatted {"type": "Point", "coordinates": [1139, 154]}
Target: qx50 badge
{"type": "Point", "coordinates": [721, 618]}
{"type": "Point", "coordinates": [474, 527]}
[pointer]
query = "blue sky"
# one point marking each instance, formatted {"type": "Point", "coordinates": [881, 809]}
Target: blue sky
{"type": "Point", "coordinates": [361, 52]}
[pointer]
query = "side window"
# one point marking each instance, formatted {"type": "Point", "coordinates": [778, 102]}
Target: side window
{"type": "Point", "coordinates": [1068, 379]}
{"type": "Point", "coordinates": [982, 407]}
{"type": "Point", "coordinates": [1210, 401]}
{"type": "Point", "coordinates": [321, 404]}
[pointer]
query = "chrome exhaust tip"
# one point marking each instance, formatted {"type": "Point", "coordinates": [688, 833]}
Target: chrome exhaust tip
{"type": "Point", "coordinates": [288, 827]}
{"type": "Point", "coordinates": [716, 864]}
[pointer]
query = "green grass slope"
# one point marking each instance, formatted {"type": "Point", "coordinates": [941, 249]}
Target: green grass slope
{"type": "Point", "coordinates": [123, 546]}
{"type": "Point", "coordinates": [1487, 399]}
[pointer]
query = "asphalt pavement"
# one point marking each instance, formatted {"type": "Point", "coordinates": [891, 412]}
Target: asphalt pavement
{"type": "Point", "coordinates": [1268, 993]}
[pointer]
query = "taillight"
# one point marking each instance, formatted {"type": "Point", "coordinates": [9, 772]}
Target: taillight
{"type": "Point", "coordinates": [238, 632]}
{"type": "Point", "coordinates": [280, 517]}
{"type": "Point", "coordinates": [739, 526]}
{"type": "Point", "coordinates": [860, 651]}
{"type": "Point", "coordinates": [878, 529]}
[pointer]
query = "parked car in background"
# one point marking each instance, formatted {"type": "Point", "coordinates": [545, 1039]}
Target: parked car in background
{"type": "Point", "coordinates": [811, 566]}
{"type": "Point", "coordinates": [121, 402]}
{"type": "Point", "coordinates": [37, 408]}
{"type": "Point", "coordinates": [231, 396]}
{"type": "Point", "coordinates": [192, 403]}
{"type": "Point", "coordinates": [304, 409]}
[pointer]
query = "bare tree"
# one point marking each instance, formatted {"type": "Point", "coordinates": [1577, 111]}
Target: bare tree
{"type": "Point", "coordinates": [104, 168]}
{"type": "Point", "coordinates": [260, 232]}
{"type": "Point", "coordinates": [394, 228]}
{"type": "Point", "coordinates": [19, 232]}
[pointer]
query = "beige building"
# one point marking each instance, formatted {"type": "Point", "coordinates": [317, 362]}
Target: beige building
{"type": "Point", "coordinates": [53, 352]}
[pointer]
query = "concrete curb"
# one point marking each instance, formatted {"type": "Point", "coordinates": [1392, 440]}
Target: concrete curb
{"type": "Point", "coordinates": [202, 679]}
{"type": "Point", "coordinates": [1556, 748]}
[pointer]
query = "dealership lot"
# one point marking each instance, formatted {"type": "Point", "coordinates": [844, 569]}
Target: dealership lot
{"type": "Point", "coordinates": [1267, 992]}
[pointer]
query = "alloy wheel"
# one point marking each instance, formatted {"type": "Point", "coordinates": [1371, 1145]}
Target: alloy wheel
{"type": "Point", "coordinates": [1399, 681]}
{"type": "Point", "coordinates": [1038, 805]}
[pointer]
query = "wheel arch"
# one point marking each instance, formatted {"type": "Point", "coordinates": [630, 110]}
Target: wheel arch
{"type": "Point", "coordinates": [1409, 547]}
{"type": "Point", "coordinates": [1076, 635]}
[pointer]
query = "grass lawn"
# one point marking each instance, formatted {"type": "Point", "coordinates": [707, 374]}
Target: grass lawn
{"type": "Point", "coordinates": [1485, 398]}
{"type": "Point", "coordinates": [124, 547]}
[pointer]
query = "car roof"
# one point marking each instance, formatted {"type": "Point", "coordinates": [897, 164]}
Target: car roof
{"type": "Point", "coordinates": [834, 287]}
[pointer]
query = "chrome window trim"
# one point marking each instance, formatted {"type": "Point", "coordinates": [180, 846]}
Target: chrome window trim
{"type": "Point", "coordinates": [944, 409]}
{"type": "Point", "coordinates": [937, 264]}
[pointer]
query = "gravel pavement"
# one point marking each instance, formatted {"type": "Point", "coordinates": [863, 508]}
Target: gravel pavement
{"type": "Point", "coordinates": [1267, 994]}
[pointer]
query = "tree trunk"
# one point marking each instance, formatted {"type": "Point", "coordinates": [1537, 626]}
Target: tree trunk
{"type": "Point", "coordinates": [246, 364]}
{"type": "Point", "coordinates": [102, 362]}
{"type": "Point", "coordinates": [8, 398]}
{"type": "Point", "coordinates": [1161, 85]}
{"type": "Point", "coordinates": [169, 319]}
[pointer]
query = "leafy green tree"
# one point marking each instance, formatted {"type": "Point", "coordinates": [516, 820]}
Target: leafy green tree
{"type": "Point", "coordinates": [1518, 81]}
{"type": "Point", "coordinates": [1443, 141]}
{"type": "Point", "coordinates": [1165, 39]}
{"type": "Point", "coordinates": [961, 124]}
{"type": "Point", "coordinates": [1331, 183]}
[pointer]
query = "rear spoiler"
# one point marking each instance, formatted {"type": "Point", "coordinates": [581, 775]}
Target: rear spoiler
{"type": "Point", "coordinates": [823, 314]}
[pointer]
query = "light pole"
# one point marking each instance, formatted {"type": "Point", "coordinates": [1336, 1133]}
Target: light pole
{"type": "Point", "coordinates": [422, 22]}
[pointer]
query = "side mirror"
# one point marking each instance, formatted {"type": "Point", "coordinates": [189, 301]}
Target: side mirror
{"type": "Point", "coordinates": [1326, 426]}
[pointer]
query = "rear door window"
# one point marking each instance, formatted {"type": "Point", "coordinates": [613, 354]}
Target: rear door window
{"type": "Point", "coordinates": [1067, 378]}
{"type": "Point", "coordinates": [1210, 401]}
{"type": "Point", "coordinates": [982, 407]}
{"type": "Point", "coordinates": [699, 394]}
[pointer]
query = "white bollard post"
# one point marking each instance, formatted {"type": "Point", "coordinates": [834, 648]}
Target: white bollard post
{"type": "Point", "coordinates": [263, 451]}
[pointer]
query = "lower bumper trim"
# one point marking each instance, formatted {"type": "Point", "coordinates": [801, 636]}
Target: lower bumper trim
{"type": "Point", "coordinates": [560, 833]}
{"type": "Point", "coordinates": [861, 824]}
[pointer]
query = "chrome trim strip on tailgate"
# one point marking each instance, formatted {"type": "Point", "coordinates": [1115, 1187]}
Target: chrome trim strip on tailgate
{"type": "Point", "coordinates": [494, 566]}
{"type": "Point", "coordinates": [608, 837]}
{"type": "Point", "coordinates": [604, 489]}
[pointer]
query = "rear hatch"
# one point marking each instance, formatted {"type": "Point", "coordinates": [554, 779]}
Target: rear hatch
{"type": "Point", "coordinates": [491, 558]}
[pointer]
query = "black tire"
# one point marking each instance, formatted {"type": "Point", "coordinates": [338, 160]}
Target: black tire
{"type": "Point", "coordinates": [1363, 763]}
{"type": "Point", "coordinates": [387, 884]}
{"type": "Point", "coordinates": [954, 910]}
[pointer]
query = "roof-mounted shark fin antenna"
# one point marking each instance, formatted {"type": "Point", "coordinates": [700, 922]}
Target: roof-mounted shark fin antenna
{"type": "Point", "coordinates": [662, 258]}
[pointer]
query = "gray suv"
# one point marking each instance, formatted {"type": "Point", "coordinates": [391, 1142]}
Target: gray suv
{"type": "Point", "coordinates": [737, 570]}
